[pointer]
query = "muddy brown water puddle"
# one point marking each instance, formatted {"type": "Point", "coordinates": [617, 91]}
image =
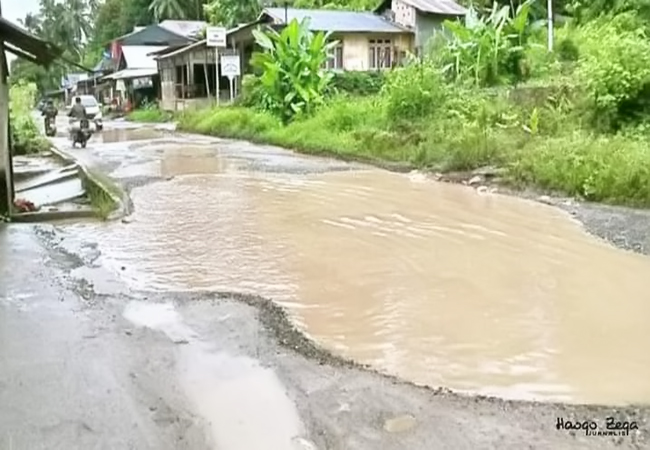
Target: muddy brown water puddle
{"type": "Point", "coordinates": [431, 282]}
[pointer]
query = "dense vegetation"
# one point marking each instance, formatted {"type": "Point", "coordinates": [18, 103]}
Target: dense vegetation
{"type": "Point", "coordinates": [574, 120]}
{"type": "Point", "coordinates": [25, 135]}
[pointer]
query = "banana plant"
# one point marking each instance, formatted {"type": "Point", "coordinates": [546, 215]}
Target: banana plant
{"type": "Point", "coordinates": [291, 63]}
{"type": "Point", "coordinates": [489, 49]}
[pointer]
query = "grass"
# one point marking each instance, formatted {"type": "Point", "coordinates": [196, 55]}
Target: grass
{"type": "Point", "coordinates": [604, 168]}
{"type": "Point", "coordinates": [149, 115]}
{"type": "Point", "coordinates": [30, 145]}
{"type": "Point", "coordinates": [101, 192]}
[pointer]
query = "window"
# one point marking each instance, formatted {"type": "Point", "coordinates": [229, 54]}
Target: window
{"type": "Point", "coordinates": [335, 58]}
{"type": "Point", "coordinates": [380, 54]}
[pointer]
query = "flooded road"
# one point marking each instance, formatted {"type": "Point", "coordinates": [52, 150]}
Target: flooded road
{"type": "Point", "coordinates": [432, 282]}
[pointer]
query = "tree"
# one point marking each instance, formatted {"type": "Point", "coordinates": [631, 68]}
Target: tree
{"type": "Point", "coordinates": [23, 70]}
{"type": "Point", "coordinates": [66, 24]}
{"type": "Point", "coordinates": [135, 13]}
{"type": "Point", "coordinates": [177, 9]}
{"type": "Point", "coordinates": [108, 23]}
{"type": "Point", "coordinates": [230, 13]}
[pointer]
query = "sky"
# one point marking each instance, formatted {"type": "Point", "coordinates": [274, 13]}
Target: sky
{"type": "Point", "coordinates": [13, 10]}
{"type": "Point", "coordinates": [17, 9]}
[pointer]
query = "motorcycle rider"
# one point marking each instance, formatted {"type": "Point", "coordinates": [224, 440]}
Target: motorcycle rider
{"type": "Point", "coordinates": [49, 112]}
{"type": "Point", "coordinates": [78, 111]}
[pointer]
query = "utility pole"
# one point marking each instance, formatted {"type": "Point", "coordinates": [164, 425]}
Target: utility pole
{"type": "Point", "coordinates": [6, 169]}
{"type": "Point", "coordinates": [550, 24]}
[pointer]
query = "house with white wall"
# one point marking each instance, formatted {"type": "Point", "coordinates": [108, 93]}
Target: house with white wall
{"type": "Point", "coordinates": [423, 17]}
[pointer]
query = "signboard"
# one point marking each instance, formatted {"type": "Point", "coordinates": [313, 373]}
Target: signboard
{"type": "Point", "coordinates": [230, 66]}
{"type": "Point", "coordinates": [215, 37]}
{"type": "Point", "coordinates": [143, 82]}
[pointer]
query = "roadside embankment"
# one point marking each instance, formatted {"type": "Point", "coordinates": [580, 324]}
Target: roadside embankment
{"type": "Point", "coordinates": [607, 169]}
{"type": "Point", "coordinates": [149, 115]}
{"type": "Point", "coordinates": [569, 167]}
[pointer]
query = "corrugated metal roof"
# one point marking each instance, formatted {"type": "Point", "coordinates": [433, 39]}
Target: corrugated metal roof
{"type": "Point", "coordinates": [137, 56]}
{"type": "Point", "coordinates": [179, 50]}
{"type": "Point", "coordinates": [336, 20]}
{"type": "Point", "coordinates": [131, 73]}
{"type": "Point", "coordinates": [442, 7]}
{"type": "Point", "coordinates": [187, 28]}
{"type": "Point", "coordinates": [74, 78]}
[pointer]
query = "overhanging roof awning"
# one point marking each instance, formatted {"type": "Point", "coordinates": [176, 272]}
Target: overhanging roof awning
{"type": "Point", "coordinates": [25, 45]}
{"type": "Point", "coordinates": [128, 74]}
{"type": "Point", "coordinates": [181, 50]}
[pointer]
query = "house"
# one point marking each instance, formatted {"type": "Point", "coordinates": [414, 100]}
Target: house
{"type": "Point", "coordinates": [70, 83]}
{"type": "Point", "coordinates": [22, 44]}
{"type": "Point", "coordinates": [188, 76]}
{"type": "Point", "coordinates": [168, 33]}
{"type": "Point", "coordinates": [423, 17]}
{"type": "Point", "coordinates": [128, 55]}
{"type": "Point", "coordinates": [367, 41]}
{"type": "Point", "coordinates": [92, 84]}
{"type": "Point", "coordinates": [135, 71]}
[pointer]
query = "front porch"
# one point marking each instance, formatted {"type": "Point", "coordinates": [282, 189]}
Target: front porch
{"type": "Point", "coordinates": [188, 76]}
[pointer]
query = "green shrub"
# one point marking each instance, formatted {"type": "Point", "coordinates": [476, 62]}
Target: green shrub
{"type": "Point", "coordinates": [231, 122]}
{"type": "Point", "coordinates": [414, 92]}
{"type": "Point", "coordinates": [358, 82]}
{"type": "Point", "coordinates": [612, 169]}
{"type": "Point", "coordinates": [25, 135]}
{"type": "Point", "coordinates": [149, 114]}
{"type": "Point", "coordinates": [251, 93]}
{"type": "Point", "coordinates": [567, 50]}
{"type": "Point", "coordinates": [615, 71]}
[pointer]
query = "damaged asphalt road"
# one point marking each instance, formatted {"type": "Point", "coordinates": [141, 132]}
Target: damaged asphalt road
{"type": "Point", "coordinates": [86, 362]}
{"type": "Point", "coordinates": [90, 365]}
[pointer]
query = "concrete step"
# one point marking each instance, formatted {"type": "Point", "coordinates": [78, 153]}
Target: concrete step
{"type": "Point", "coordinates": [51, 177]}
{"type": "Point", "coordinates": [63, 190]}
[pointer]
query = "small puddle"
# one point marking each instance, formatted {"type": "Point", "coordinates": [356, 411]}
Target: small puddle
{"type": "Point", "coordinates": [194, 161]}
{"type": "Point", "coordinates": [428, 281]}
{"type": "Point", "coordinates": [244, 403]}
{"type": "Point", "coordinates": [108, 136]}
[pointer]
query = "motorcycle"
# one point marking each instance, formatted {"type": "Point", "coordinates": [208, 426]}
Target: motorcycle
{"type": "Point", "coordinates": [50, 126]}
{"type": "Point", "coordinates": [80, 134]}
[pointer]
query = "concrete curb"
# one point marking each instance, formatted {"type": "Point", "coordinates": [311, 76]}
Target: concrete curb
{"type": "Point", "coordinates": [91, 181]}
{"type": "Point", "coordinates": [51, 216]}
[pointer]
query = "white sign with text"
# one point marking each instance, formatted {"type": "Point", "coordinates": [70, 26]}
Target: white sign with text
{"type": "Point", "coordinates": [230, 66]}
{"type": "Point", "coordinates": [215, 37]}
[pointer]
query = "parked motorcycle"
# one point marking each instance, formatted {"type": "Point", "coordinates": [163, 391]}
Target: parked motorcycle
{"type": "Point", "coordinates": [50, 126]}
{"type": "Point", "coordinates": [80, 132]}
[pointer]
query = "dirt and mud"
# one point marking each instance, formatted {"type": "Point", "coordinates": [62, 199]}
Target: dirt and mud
{"type": "Point", "coordinates": [189, 367]}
